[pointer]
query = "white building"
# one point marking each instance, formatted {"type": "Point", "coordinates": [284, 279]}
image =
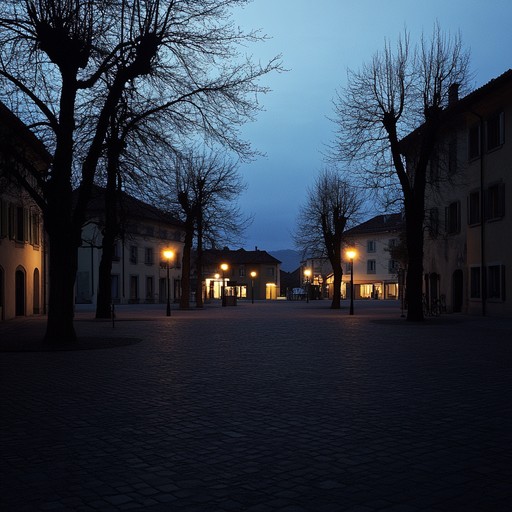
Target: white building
{"type": "Point", "coordinates": [139, 269]}
{"type": "Point", "coordinates": [375, 271]}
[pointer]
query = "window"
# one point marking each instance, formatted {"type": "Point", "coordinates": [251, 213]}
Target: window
{"type": "Point", "coordinates": [496, 282]}
{"type": "Point", "coordinates": [371, 246]}
{"type": "Point", "coordinates": [347, 267]}
{"type": "Point", "coordinates": [392, 266]}
{"type": "Point", "coordinates": [474, 276]}
{"type": "Point", "coordinates": [474, 142]}
{"type": "Point", "coordinates": [452, 219]}
{"type": "Point", "coordinates": [133, 254]}
{"type": "Point", "coordinates": [393, 242]}
{"type": "Point", "coordinates": [370, 267]}
{"type": "Point", "coordinates": [433, 219]}
{"type": "Point", "coordinates": [270, 271]}
{"type": "Point", "coordinates": [114, 286]}
{"type": "Point", "coordinates": [495, 131]}
{"type": "Point", "coordinates": [20, 224]}
{"type": "Point", "coordinates": [149, 288]}
{"type": "Point", "coordinates": [452, 156]}
{"type": "Point", "coordinates": [148, 256]}
{"type": "Point", "coordinates": [474, 208]}
{"type": "Point", "coordinates": [34, 226]}
{"type": "Point", "coordinates": [495, 201]}
{"type": "Point", "coordinates": [241, 272]}
{"type": "Point", "coordinates": [115, 255]}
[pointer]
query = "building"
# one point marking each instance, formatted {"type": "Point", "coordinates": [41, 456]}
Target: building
{"type": "Point", "coordinates": [375, 271]}
{"type": "Point", "coordinates": [467, 251]}
{"type": "Point", "coordinates": [249, 274]}
{"type": "Point", "coordinates": [316, 280]}
{"type": "Point", "coordinates": [22, 243]}
{"type": "Point", "coordinates": [139, 268]}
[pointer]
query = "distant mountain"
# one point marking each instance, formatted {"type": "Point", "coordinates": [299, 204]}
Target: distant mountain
{"type": "Point", "coordinates": [290, 259]}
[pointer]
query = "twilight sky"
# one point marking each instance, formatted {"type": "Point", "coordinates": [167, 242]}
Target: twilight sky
{"type": "Point", "coordinates": [319, 41]}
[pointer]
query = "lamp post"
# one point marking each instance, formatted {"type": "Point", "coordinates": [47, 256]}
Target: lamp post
{"type": "Point", "coordinates": [253, 275]}
{"type": "Point", "coordinates": [224, 267]}
{"type": "Point", "coordinates": [351, 254]}
{"type": "Point", "coordinates": [307, 273]}
{"type": "Point", "coordinates": [168, 254]}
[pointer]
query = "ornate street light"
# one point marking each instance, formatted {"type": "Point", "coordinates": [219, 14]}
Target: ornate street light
{"type": "Point", "coordinates": [168, 255]}
{"type": "Point", "coordinates": [351, 254]}
{"type": "Point", "coordinates": [253, 275]}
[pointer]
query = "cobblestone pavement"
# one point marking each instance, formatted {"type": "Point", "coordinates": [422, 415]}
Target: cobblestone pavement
{"type": "Point", "coordinates": [282, 406]}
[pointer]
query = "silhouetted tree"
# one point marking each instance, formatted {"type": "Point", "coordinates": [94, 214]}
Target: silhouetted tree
{"type": "Point", "coordinates": [56, 55]}
{"type": "Point", "coordinates": [205, 186]}
{"type": "Point", "coordinates": [331, 204]}
{"type": "Point", "coordinates": [395, 93]}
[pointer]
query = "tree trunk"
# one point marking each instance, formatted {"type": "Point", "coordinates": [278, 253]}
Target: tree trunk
{"type": "Point", "coordinates": [336, 294]}
{"type": "Point", "coordinates": [199, 260]}
{"type": "Point", "coordinates": [110, 232]}
{"type": "Point", "coordinates": [185, 267]}
{"type": "Point", "coordinates": [414, 280]}
{"type": "Point", "coordinates": [104, 296]}
{"type": "Point", "coordinates": [62, 272]}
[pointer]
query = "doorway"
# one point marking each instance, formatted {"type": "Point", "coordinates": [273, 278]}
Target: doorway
{"type": "Point", "coordinates": [457, 287]}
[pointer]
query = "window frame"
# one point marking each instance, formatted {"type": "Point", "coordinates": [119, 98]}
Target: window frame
{"type": "Point", "coordinates": [371, 266]}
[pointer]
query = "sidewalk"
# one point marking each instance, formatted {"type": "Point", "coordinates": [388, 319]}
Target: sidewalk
{"type": "Point", "coordinates": [261, 407]}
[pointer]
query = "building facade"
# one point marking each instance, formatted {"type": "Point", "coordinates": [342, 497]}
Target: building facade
{"type": "Point", "coordinates": [248, 275]}
{"type": "Point", "coordinates": [23, 253]}
{"type": "Point", "coordinates": [139, 267]}
{"type": "Point", "coordinates": [375, 272]}
{"type": "Point", "coordinates": [469, 212]}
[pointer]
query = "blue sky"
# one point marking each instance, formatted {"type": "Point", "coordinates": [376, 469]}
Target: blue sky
{"type": "Point", "coordinates": [319, 41]}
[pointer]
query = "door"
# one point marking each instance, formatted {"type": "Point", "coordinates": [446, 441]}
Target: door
{"type": "Point", "coordinates": [457, 287]}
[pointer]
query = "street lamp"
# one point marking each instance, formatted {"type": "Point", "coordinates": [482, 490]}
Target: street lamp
{"type": "Point", "coordinates": [307, 273]}
{"type": "Point", "coordinates": [224, 267]}
{"type": "Point", "coordinates": [351, 254]}
{"type": "Point", "coordinates": [253, 275]}
{"type": "Point", "coordinates": [168, 255]}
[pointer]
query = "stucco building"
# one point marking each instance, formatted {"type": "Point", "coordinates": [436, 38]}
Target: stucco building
{"type": "Point", "coordinates": [23, 255]}
{"type": "Point", "coordinates": [468, 254]}
{"type": "Point", "coordinates": [139, 269]}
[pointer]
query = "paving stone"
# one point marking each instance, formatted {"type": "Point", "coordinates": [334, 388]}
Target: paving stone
{"type": "Point", "coordinates": [279, 407]}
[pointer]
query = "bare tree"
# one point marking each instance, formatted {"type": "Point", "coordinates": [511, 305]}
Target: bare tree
{"type": "Point", "coordinates": [55, 55]}
{"type": "Point", "coordinates": [331, 205]}
{"type": "Point", "coordinates": [389, 117]}
{"type": "Point", "coordinates": [204, 189]}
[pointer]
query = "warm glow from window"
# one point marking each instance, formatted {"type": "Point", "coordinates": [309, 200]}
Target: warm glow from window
{"type": "Point", "coordinates": [307, 272]}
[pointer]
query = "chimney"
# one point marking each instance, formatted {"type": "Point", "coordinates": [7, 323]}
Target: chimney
{"type": "Point", "coordinates": [453, 94]}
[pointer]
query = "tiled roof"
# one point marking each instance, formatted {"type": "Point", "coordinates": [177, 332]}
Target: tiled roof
{"type": "Point", "coordinates": [239, 257]}
{"type": "Point", "coordinates": [380, 224]}
{"type": "Point", "coordinates": [131, 206]}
